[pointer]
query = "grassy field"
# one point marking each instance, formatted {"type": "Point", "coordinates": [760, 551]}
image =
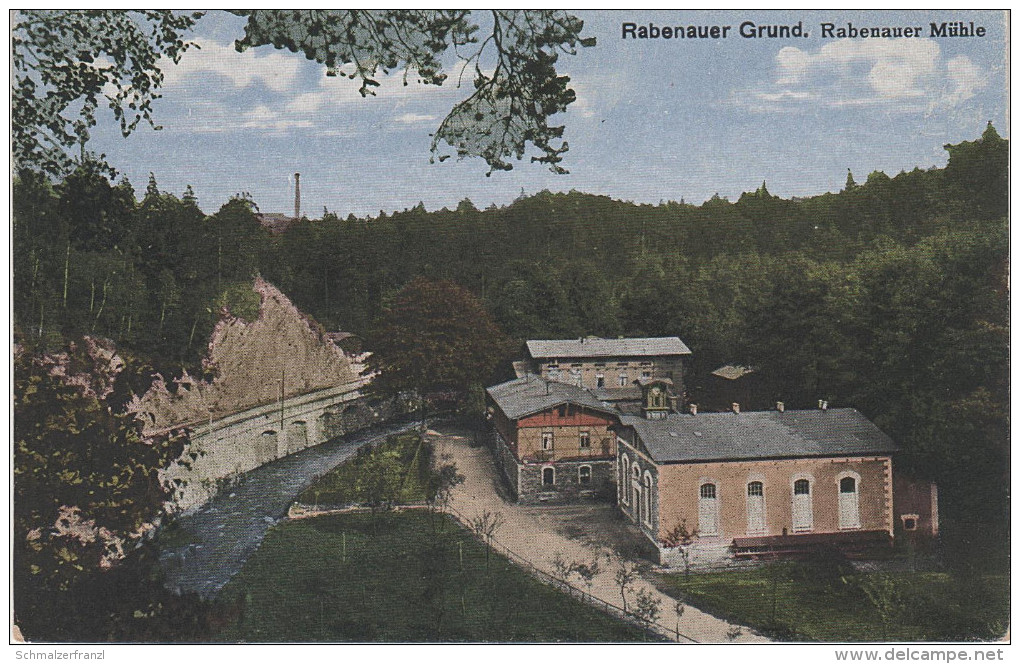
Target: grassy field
{"type": "Point", "coordinates": [410, 576]}
{"type": "Point", "coordinates": [396, 470]}
{"type": "Point", "coordinates": [816, 602]}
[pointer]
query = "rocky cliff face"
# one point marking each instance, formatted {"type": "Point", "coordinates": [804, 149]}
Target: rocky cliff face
{"type": "Point", "coordinates": [281, 352]}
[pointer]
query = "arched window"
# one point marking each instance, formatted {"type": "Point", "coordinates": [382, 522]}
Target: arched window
{"type": "Point", "coordinates": [755, 507]}
{"type": "Point", "coordinates": [635, 487]}
{"type": "Point", "coordinates": [621, 484]}
{"type": "Point", "coordinates": [849, 502]}
{"type": "Point", "coordinates": [548, 476]}
{"type": "Point", "coordinates": [708, 510]}
{"type": "Point", "coordinates": [802, 509]}
{"type": "Point", "coordinates": [584, 475]}
{"type": "Point", "coordinates": [647, 495]}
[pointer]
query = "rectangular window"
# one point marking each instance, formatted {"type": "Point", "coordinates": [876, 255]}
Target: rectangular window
{"type": "Point", "coordinates": [600, 364]}
{"type": "Point", "coordinates": [547, 440]}
{"type": "Point", "coordinates": [585, 440]}
{"type": "Point", "coordinates": [646, 374]}
{"type": "Point", "coordinates": [623, 380]}
{"type": "Point", "coordinates": [600, 380]}
{"type": "Point", "coordinates": [622, 364]}
{"type": "Point", "coordinates": [576, 365]}
{"type": "Point", "coordinates": [646, 364]}
{"type": "Point", "coordinates": [584, 474]}
{"type": "Point", "coordinates": [553, 365]}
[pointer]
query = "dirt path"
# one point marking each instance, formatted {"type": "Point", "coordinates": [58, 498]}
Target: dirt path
{"type": "Point", "coordinates": [538, 534]}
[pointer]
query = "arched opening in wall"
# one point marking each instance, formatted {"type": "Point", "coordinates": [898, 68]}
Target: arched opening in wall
{"type": "Point", "coordinates": [267, 446]}
{"type": "Point", "coordinates": [584, 475]}
{"type": "Point", "coordinates": [849, 504]}
{"type": "Point", "coordinates": [708, 510]}
{"type": "Point", "coordinates": [646, 492]}
{"type": "Point", "coordinates": [755, 508]}
{"type": "Point", "coordinates": [636, 490]}
{"type": "Point", "coordinates": [297, 436]}
{"type": "Point", "coordinates": [548, 476]}
{"type": "Point", "coordinates": [621, 482]}
{"type": "Point", "coordinates": [803, 511]}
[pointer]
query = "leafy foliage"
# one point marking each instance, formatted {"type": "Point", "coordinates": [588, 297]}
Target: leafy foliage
{"type": "Point", "coordinates": [67, 63]}
{"type": "Point", "coordinates": [435, 337]}
{"type": "Point", "coordinates": [86, 492]}
{"type": "Point", "coordinates": [398, 470]}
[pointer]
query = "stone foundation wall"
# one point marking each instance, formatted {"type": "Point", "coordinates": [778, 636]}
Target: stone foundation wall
{"type": "Point", "coordinates": [506, 462]}
{"type": "Point", "coordinates": [567, 486]}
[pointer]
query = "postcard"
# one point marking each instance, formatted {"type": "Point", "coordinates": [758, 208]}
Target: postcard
{"type": "Point", "coordinates": [511, 326]}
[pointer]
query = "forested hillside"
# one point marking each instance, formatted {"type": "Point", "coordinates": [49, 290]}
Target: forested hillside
{"type": "Point", "coordinates": [890, 296]}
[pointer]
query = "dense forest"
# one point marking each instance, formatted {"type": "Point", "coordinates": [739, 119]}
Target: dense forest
{"type": "Point", "coordinates": [890, 296]}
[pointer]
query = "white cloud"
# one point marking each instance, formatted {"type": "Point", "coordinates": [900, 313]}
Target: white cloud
{"type": "Point", "coordinates": [277, 71]}
{"type": "Point", "coordinates": [896, 74]}
{"type": "Point", "coordinates": [414, 118]}
{"type": "Point", "coordinates": [966, 79]}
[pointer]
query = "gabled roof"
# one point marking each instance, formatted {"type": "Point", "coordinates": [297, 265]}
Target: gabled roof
{"type": "Point", "coordinates": [731, 372]}
{"type": "Point", "coordinates": [532, 394]}
{"type": "Point", "coordinates": [760, 435]}
{"type": "Point", "coordinates": [597, 347]}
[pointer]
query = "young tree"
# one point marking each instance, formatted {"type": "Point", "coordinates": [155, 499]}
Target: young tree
{"type": "Point", "coordinates": [681, 539]}
{"type": "Point", "coordinates": [647, 607]}
{"type": "Point", "coordinates": [485, 527]}
{"type": "Point", "coordinates": [626, 574]}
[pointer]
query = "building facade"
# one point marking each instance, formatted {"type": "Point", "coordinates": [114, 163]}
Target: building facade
{"type": "Point", "coordinates": [552, 441]}
{"type": "Point", "coordinates": [607, 364]}
{"type": "Point", "coordinates": [755, 483]}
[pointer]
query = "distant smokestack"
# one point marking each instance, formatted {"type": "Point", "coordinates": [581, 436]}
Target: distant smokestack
{"type": "Point", "coordinates": [297, 195]}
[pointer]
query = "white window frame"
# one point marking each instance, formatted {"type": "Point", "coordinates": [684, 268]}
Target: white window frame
{"type": "Point", "coordinates": [583, 436]}
{"type": "Point", "coordinates": [810, 479]}
{"type": "Point", "coordinates": [760, 479]}
{"type": "Point", "coordinates": [600, 380]}
{"type": "Point", "coordinates": [717, 500]}
{"type": "Point", "coordinates": [857, 500]}
{"type": "Point", "coordinates": [646, 496]}
{"type": "Point", "coordinates": [548, 436]}
{"type": "Point", "coordinates": [553, 469]}
{"type": "Point", "coordinates": [580, 474]}
{"type": "Point", "coordinates": [621, 486]}
{"type": "Point", "coordinates": [623, 380]}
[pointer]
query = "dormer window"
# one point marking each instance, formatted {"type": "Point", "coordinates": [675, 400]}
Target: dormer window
{"type": "Point", "coordinates": [656, 397]}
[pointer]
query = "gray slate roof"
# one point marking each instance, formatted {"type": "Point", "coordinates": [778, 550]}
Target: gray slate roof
{"type": "Point", "coordinates": [531, 394]}
{"type": "Point", "coordinates": [596, 347]}
{"type": "Point", "coordinates": [760, 435]}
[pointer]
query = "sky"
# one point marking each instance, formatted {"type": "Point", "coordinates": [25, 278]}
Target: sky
{"type": "Point", "coordinates": [654, 119]}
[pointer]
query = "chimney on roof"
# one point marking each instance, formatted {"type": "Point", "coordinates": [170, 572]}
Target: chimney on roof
{"type": "Point", "coordinates": [780, 406]}
{"type": "Point", "coordinates": [297, 195]}
{"type": "Point", "coordinates": [736, 407]}
{"type": "Point", "coordinates": [694, 409]}
{"type": "Point", "coordinates": [823, 405]}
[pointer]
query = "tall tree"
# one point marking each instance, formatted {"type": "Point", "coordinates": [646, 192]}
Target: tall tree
{"type": "Point", "coordinates": [435, 337]}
